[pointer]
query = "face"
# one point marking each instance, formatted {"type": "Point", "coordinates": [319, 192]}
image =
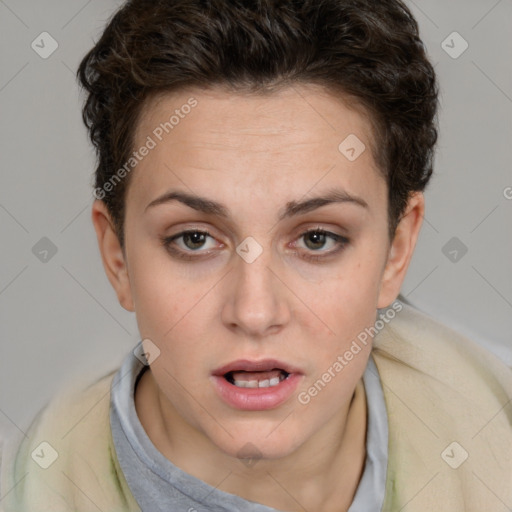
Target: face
{"type": "Point", "coordinates": [255, 245]}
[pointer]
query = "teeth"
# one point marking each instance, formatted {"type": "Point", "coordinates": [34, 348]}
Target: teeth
{"type": "Point", "coordinates": [246, 383]}
{"type": "Point", "coordinates": [268, 383]}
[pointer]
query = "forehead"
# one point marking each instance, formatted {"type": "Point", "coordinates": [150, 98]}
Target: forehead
{"type": "Point", "coordinates": [215, 138]}
{"type": "Point", "coordinates": [304, 111]}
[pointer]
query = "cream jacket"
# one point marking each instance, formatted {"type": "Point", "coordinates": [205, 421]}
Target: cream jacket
{"type": "Point", "coordinates": [449, 406]}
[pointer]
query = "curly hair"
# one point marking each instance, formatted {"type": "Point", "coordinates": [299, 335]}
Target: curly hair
{"type": "Point", "coordinates": [369, 50]}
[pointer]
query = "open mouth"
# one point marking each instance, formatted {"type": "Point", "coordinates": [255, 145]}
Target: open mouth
{"type": "Point", "coordinates": [256, 379]}
{"type": "Point", "coordinates": [256, 385]}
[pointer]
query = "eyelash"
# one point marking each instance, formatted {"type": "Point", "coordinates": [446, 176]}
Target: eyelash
{"type": "Point", "coordinates": [341, 242]}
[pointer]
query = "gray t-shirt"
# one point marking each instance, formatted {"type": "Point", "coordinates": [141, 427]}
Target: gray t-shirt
{"type": "Point", "coordinates": [158, 485]}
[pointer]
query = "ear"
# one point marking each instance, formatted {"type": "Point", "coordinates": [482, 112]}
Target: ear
{"type": "Point", "coordinates": [112, 254]}
{"type": "Point", "coordinates": [401, 250]}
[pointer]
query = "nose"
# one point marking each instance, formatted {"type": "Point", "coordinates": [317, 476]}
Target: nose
{"type": "Point", "coordinates": [256, 301]}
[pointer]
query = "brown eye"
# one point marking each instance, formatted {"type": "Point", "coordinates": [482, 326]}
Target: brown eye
{"type": "Point", "coordinates": [183, 245]}
{"type": "Point", "coordinates": [315, 240]}
{"type": "Point", "coordinates": [194, 239]}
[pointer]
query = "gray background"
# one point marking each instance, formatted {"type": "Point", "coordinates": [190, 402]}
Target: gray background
{"type": "Point", "coordinates": [60, 319]}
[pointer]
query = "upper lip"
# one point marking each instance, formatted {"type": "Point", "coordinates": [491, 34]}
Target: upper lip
{"type": "Point", "coordinates": [255, 366]}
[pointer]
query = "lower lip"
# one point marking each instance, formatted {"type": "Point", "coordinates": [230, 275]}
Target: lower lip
{"type": "Point", "coordinates": [256, 399]}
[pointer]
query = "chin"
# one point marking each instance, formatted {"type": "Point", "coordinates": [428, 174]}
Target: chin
{"type": "Point", "coordinates": [268, 440]}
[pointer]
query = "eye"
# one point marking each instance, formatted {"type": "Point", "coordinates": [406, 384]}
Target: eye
{"type": "Point", "coordinates": [317, 239]}
{"type": "Point", "coordinates": [183, 245]}
{"type": "Point", "coordinates": [188, 242]}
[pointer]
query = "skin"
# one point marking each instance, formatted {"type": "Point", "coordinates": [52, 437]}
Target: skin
{"type": "Point", "coordinates": [254, 154]}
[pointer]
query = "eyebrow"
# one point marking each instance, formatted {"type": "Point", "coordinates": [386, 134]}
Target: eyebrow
{"type": "Point", "coordinates": [292, 208]}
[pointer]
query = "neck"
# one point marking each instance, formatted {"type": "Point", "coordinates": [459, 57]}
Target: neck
{"type": "Point", "coordinates": [322, 474]}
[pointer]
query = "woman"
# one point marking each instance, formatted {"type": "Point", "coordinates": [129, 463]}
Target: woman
{"type": "Point", "coordinates": [258, 201]}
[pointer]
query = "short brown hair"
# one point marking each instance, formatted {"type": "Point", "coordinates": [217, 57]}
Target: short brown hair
{"type": "Point", "coordinates": [367, 49]}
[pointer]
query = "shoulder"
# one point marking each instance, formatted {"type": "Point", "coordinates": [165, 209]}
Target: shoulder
{"type": "Point", "coordinates": [415, 340]}
{"type": "Point", "coordinates": [449, 416]}
{"type": "Point", "coordinates": [66, 459]}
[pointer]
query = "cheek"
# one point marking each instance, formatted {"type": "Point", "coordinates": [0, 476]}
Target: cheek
{"type": "Point", "coordinates": [157, 305]}
{"type": "Point", "coordinates": [331, 388]}
{"type": "Point", "coordinates": [164, 290]}
{"type": "Point", "coordinates": [346, 299]}
{"type": "Point", "coordinates": [175, 313]}
{"type": "Point", "coordinates": [162, 298]}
